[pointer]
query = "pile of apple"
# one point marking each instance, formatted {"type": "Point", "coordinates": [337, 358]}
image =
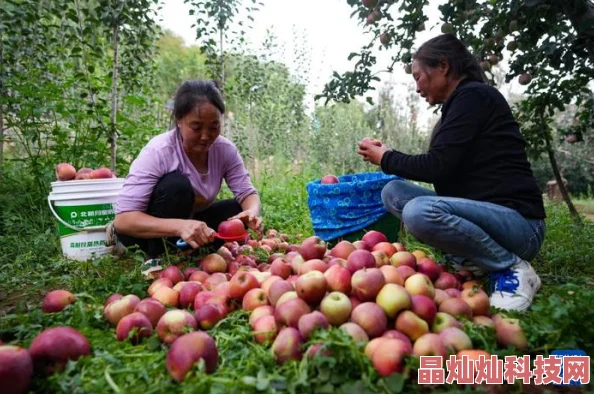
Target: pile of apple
{"type": "Point", "coordinates": [397, 303]}
{"type": "Point", "coordinates": [67, 172]}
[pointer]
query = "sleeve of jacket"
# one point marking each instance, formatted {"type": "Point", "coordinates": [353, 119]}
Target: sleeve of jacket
{"type": "Point", "coordinates": [462, 121]}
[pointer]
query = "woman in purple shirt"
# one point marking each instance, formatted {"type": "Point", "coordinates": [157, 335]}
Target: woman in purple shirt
{"type": "Point", "coordinates": [172, 186]}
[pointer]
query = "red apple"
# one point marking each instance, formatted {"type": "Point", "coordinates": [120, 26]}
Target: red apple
{"type": "Point", "coordinates": [173, 324]}
{"type": "Point", "coordinates": [312, 265]}
{"type": "Point", "coordinates": [268, 283]}
{"type": "Point", "coordinates": [152, 309]}
{"type": "Point", "coordinates": [101, 173]}
{"type": "Point", "coordinates": [405, 272]}
{"type": "Point", "coordinates": [288, 313]}
{"type": "Point", "coordinates": [65, 172]}
{"type": "Point", "coordinates": [187, 350]}
{"type": "Point", "coordinates": [277, 289]}
{"type": "Point", "coordinates": [198, 276]}
{"type": "Point", "coordinates": [399, 247]}
{"type": "Point", "coordinates": [287, 345]}
{"type": "Point", "coordinates": [446, 280]}
{"type": "Point", "coordinates": [395, 334]}
{"type": "Point", "coordinates": [241, 283]}
{"type": "Point", "coordinates": [456, 307]}
{"type": "Point", "coordinates": [280, 267]}
{"type": "Point", "coordinates": [120, 308]}
{"type": "Point", "coordinates": [57, 300]}
{"type": "Point", "coordinates": [289, 295]}
{"type": "Point", "coordinates": [312, 248]}
{"type": "Point", "coordinates": [253, 299]}
{"type": "Point", "coordinates": [371, 318]}
{"type": "Point", "coordinates": [360, 259]}
{"type": "Point", "coordinates": [157, 284]}
{"type": "Point", "coordinates": [391, 275]}
{"type": "Point", "coordinates": [188, 293]}
{"type": "Point", "coordinates": [336, 307]}
{"type": "Point", "coordinates": [317, 349]}
{"type": "Point", "coordinates": [373, 238]}
{"type": "Point", "coordinates": [419, 284]}
{"type": "Point", "coordinates": [429, 267]}
{"type": "Point", "coordinates": [509, 332]}
{"type": "Point", "coordinates": [210, 314]}
{"type": "Point", "coordinates": [389, 356]}
{"type": "Point", "coordinates": [329, 179]}
{"type": "Point", "coordinates": [260, 311]}
{"type": "Point", "coordinates": [367, 283]}
{"type": "Point", "coordinates": [355, 331]}
{"type": "Point", "coordinates": [311, 287]}
{"type": "Point", "coordinates": [419, 254]}
{"type": "Point", "coordinates": [453, 293]}
{"type": "Point", "coordinates": [424, 307]}
{"type": "Point", "coordinates": [483, 321]}
{"type": "Point", "coordinates": [167, 296]}
{"type": "Point", "coordinates": [430, 344]}
{"type": "Point", "coordinates": [412, 325]}
{"type": "Point", "coordinates": [53, 347]}
{"type": "Point", "coordinates": [173, 273]}
{"type": "Point", "coordinates": [310, 322]}
{"type": "Point", "coordinates": [214, 263]}
{"type": "Point", "coordinates": [214, 280]}
{"type": "Point", "coordinates": [338, 279]}
{"type": "Point", "coordinates": [385, 247]}
{"type": "Point", "coordinates": [231, 228]}
{"type": "Point", "coordinates": [381, 258]}
{"type": "Point", "coordinates": [454, 340]}
{"type": "Point", "coordinates": [134, 326]}
{"type": "Point", "coordinates": [404, 258]}
{"type": "Point", "coordinates": [393, 298]}
{"type": "Point", "coordinates": [201, 299]}
{"type": "Point", "coordinates": [83, 173]}
{"type": "Point", "coordinates": [265, 329]}
{"type": "Point", "coordinates": [189, 271]}
{"type": "Point", "coordinates": [225, 254]}
{"type": "Point", "coordinates": [343, 249]}
{"type": "Point", "coordinates": [112, 298]}
{"type": "Point", "coordinates": [478, 301]}
{"type": "Point", "coordinates": [440, 296]}
{"type": "Point", "coordinates": [362, 245]}
{"type": "Point", "coordinates": [16, 369]}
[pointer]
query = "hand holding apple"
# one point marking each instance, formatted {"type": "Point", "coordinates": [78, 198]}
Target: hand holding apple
{"type": "Point", "coordinates": [371, 151]}
{"type": "Point", "coordinates": [251, 219]}
{"type": "Point", "coordinates": [196, 233]}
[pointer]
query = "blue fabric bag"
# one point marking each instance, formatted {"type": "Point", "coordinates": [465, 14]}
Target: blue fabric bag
{"type": "Point", "coordinates": [350, 205]}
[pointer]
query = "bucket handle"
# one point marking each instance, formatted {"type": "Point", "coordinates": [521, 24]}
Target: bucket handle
{"type": "Point", "coordinates": [51, 206]}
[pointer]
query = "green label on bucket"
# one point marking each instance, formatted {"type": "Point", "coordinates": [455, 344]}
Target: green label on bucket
{"type": "Point", "coordinates": [82, 216]}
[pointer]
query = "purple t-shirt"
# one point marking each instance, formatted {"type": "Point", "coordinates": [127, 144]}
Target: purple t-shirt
{"type": "Point", "coordinates": [164, 154]}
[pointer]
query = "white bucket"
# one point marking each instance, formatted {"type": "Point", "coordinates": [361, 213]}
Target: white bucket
{"type": "Point", "coordinates": [83, 209]}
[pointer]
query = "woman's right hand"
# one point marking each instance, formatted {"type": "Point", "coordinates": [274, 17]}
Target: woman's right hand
{"type": "Point", "coordinates": [196, 233]}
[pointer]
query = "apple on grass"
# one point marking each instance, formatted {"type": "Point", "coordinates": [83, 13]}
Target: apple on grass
{"type": "Point", "coordinates": [259, 312]}
{"type": "Point", "coordinates": [509, 332]}
{"type": "Point", "coordinates": [116, 310]}
{"type": "Point", "coordinates": [454, 340]}
{"type": "Point", "coordinates": [173, 324]}
{"type": "Point", "coordinates": [16, 369]}
{"type": "Point", "coordinates": [210, 314]}
{"type": "Point", "coordinates": [389, 356]}
{"type": "Point", "coordinates": [265, 329]}
{"type": "Point", "coordinates": [456, 307]}
{"type": "Point", "coordinates": [187, 350]}
{"type": "Point", "coordinates": [253, 299]}
{"type": "Point", "coordinates": [287, 345]}
{"type": "Point", "coordinates": [442, 321]}
{"type": "Point", "coordinates": [356, 332]}
{"type": "Point", "coordinates": [188, 293]}
{"type": "Point", "coordinates": [241, 283]}
{"type": "Point", "coordinates": [112, 298]}
{"type": "Point", "coordinates": [478, 301]}
{"type": "Point", "coordinates": [289, 312]}
{"type": "Point", "coordinates": [57, 300]}
{"type": "Point", "coordinates": [167, 296]}
{"type": "Point", "coordinates": [152, 309]}
{"type": "Point", "coordinates": [430, 344]}
{"type": "Point", "coordinates": [173, 273]}
{"type": "Point", "coordinates": [134, 326]}
{"type": "Point", "coordinates": [158, 283]}
{"type": "Point", "coordinates": [53, 347]}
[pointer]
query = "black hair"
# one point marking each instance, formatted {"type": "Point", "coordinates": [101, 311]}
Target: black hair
{"type": "Point", "coordinates": [192, 92]}
{"type": "Point", "coordinates": [449, 48]}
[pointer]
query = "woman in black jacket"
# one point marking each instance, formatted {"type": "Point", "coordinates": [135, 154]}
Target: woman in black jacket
{"type": "Point", "coordinates": [486, 212]}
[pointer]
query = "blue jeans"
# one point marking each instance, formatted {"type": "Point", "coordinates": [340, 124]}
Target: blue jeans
{"type": "Point", "coordinates": [492, 236]}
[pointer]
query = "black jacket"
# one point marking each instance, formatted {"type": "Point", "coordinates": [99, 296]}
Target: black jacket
{"type": "Point", "coordinates": [478, 153]}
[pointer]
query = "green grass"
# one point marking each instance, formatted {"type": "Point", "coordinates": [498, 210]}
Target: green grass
{"type": "Point", "coordinates": [31, 265]}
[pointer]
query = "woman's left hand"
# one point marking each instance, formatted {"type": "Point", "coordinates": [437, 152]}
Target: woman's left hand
{"type": "Point", "coordinates": [372, 152]}
{"type": "Point", "coordinates": [254, 222]}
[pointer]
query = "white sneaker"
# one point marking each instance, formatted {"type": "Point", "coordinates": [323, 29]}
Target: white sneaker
{"type": "Point", "coordinates": [514, 288]}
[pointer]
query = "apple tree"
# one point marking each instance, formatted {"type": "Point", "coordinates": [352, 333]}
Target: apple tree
{"type": "Point", "coordinates": [549, 45]}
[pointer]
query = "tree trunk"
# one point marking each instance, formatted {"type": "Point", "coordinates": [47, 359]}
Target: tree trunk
{"type": "Point", "coordinates": [581, 15]}
{"type": "Point", "coordinates": [114, 97]}
{"type": "Point", "coordinates": [221, 38]}
{"type": "Point", "coordinates": [574, 213]}
{"type": "Point", "coordinates": [1, 110]}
